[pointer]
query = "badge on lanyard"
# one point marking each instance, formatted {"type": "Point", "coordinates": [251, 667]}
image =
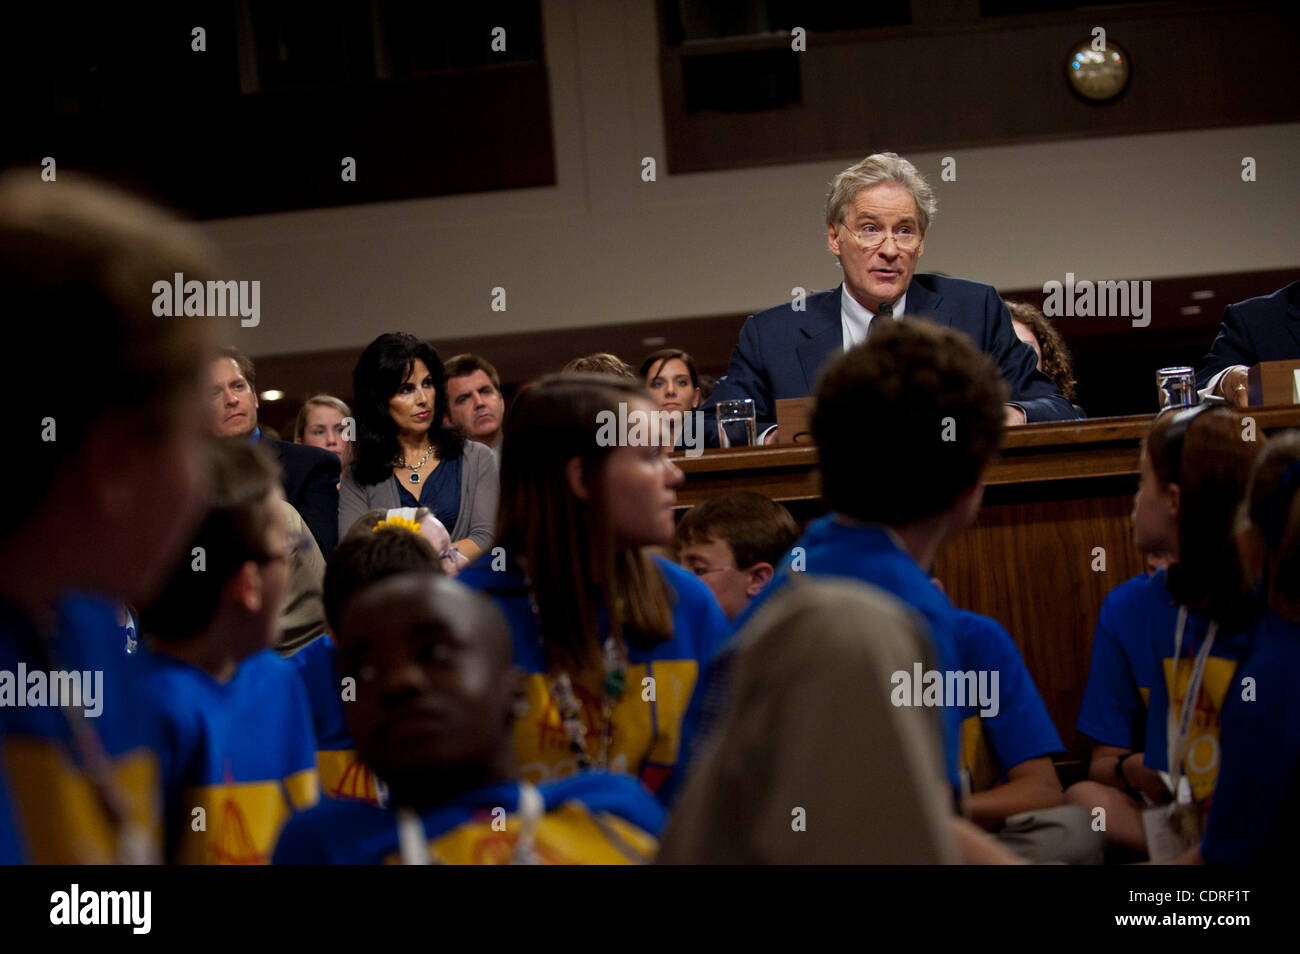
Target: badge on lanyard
{"type": "Point", "coordinates": [1173, 829]}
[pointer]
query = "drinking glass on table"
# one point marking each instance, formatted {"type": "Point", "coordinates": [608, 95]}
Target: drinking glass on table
{"type": "Point", "coordinates": [737, 424]}
{"type": "Point", "coordinates": [1176, 387]}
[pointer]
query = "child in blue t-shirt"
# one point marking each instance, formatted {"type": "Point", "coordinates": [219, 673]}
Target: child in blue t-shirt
{"type": "Point", "coordinates": [378, 546]}
{"type": "Point", "coordinates": [436, 693]}
{"type": "Point", "coordinates": [1007, 744]}
{"type": "Point", "coordinates": [55, 808]}
{"type": "Point", "coordinates": [835, 545]}
{"type": "Point", "coordinates": [615, 643]}
{"type": "Point", "coordinates": [236, 748]}
{"type": "Point", "coordinates": [1251, 818]}
{"type": "Point", "coordinates": [1194, 469]}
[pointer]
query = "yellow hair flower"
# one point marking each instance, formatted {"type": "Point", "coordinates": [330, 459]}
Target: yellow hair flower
{"type": "Point", "coordinates": [396, 521]}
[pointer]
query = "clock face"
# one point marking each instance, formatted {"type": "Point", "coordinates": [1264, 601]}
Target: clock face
{"type": "Point", "coordinates": [1097, 75]}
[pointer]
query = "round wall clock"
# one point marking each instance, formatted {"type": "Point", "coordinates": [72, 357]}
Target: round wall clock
{"type": "Point", "coordinates": [1097, 75]}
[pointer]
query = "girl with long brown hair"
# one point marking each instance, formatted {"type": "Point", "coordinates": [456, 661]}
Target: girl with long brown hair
{"type": "Point", "coordinates": [1174, 634]}
{"type": "Point", "coordinates": [614, 641]}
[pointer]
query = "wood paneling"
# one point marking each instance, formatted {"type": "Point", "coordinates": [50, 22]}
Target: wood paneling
{"type": "Point", "coordinates": [947, 85]}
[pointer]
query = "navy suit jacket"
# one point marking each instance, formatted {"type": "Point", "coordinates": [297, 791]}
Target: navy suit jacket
{"type": "Point", "coordinates": [781, 350]}
{"type": "Point", "coordinates": [310, 477]}
{"type": "Point", "coordinates": [1266, 328]}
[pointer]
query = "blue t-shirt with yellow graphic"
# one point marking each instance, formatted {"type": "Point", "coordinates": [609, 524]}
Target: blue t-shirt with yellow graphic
{"type": "Point", "coordinates": [1019, 728]}
{"type": "Point", "coordinates": [241, 751]}
{"type": "Point", "coordinates": [832, 547]}
{"type": "Point", "coordinates": [1118, 691]}
{"type": "Point", "coordinates": [342, 774]}
{"type": "Point", "coordinates": [1201, 763]}
{"type": "Point", "coordinates": [50, 812]}
{"type": "Point", "coordinates": [653, 723]}
{"type": "Point", "coordinates": [1252, 817]}
{"type": "Point", "coordinates": [591, 818]}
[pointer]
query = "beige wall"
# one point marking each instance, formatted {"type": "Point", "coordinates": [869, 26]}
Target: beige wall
{"type": "Point", "coordinates": [604, 246]}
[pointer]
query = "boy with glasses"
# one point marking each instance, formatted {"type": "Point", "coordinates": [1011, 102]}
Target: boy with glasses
{"type": "Point", "coordinates": [733, 542]}
{"type": "Point", "coordinates": [237, 750]}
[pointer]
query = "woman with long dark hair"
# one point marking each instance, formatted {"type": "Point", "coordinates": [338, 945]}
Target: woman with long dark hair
{"type": "Point", "coordinates": [405, 456]}
{"type": "Point", "coordinates": [614, 641]}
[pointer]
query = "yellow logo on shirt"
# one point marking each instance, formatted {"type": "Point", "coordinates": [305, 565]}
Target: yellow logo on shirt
{"type": "Point", "coordinates": [344, 777]}
{"type": "Point", "coordinates": [62, 818]}
{"type": "Point", "coordinates": [242, 820]}
{"type": "Point", "coordinates": [1202, 761]}
{"type": "Point", "coordinates": [569, 835]}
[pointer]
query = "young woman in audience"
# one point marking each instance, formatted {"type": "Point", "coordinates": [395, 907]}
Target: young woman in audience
{"type": "Point", "coordinates": [614, 642]}
{"type": "Point", "coordinates": [670, 376]}
{"type": "Point", "coordinates": [405, 457]}
{"type": "Point", "coordinates": [1054, 360]}
{"type": "Point", "coordinates": [322, 422]}
{"type": "Point", "coordinates": [1195, 465]}
{"type": "Point", "coordinates": [1251, 818]}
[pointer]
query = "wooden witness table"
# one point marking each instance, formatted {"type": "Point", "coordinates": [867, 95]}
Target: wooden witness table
{"type": "Point", "coordinates": [1058, 493]}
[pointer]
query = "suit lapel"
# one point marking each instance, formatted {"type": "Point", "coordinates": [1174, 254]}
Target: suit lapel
{"type": "Point", "coordinates": [925, 303]}
{"type": "Point", "coordinates": [824, 335]}
{"type": "Point", "coordinates": [1293, 311]}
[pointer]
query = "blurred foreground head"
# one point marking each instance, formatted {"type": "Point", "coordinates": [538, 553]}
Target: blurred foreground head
{"type": "Point", "coordinates": [104, 395]}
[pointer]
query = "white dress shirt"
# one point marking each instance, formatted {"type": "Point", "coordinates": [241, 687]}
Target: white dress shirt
{"type": "Point", "coordinates": [855, 318]}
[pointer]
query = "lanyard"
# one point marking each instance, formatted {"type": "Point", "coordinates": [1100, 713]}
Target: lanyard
{"type": "Point", "coordinates": [1179, 729]}
{"type": "Point", "coordinates": [413, 843]}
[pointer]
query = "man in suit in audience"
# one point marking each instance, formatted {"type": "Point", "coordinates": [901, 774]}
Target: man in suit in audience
{"type": "Point", "coordinates": [475, 406]}
{"type": "Point", "coordinates": [877, 214]}
{"type": "Point", "coordinates": [309, 475]}
{"type": "Point", "coordinates": [1266, 328]}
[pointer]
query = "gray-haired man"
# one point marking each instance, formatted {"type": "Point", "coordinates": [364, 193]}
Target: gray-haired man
{"type": "Point", "coordinates": [877, 214]}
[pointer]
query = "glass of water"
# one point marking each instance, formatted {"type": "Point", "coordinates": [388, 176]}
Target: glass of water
{"type": "Point", "coordinates": [1176, 387]}
{"type": "Point", "coordinates": [737, 425]}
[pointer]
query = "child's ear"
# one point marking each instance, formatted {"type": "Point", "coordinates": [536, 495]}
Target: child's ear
{"type": "Point", "coordinates": [759, 575]}
{"type": "Point", "coordinates": [1175, 500]}
{"type": "Point", "coordinates": [244, 588]}
{"type": "Point", "coordinates": [573, 474]}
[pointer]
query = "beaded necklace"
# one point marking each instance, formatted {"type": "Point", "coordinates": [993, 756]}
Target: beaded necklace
{"type": "Point", "coordinates": [561, 688]}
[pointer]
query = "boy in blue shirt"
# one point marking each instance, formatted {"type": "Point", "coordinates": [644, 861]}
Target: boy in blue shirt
{"type": "Point", "coordinates": [105, 485]}
{"type": "Point", "coordinates": [236, 751]}
{"type": "Point", "coordinates": [374, 549]}
{"type": "Point", "coordinates": [1007, 744]}
{"type": "Point", "coordinates": [905, 426]}
{"type": "Point", "coordinates": [436, 695]}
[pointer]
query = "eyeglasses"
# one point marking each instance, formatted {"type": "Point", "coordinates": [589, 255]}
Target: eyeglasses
{"type": "Point", "coordinates": [296, 544]}
{"type": "Point", "coordinates": [871, 238]}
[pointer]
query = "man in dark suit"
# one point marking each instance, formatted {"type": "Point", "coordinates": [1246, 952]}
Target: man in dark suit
{"type": "Point", "coordinates": [877, 214]}
{"type": "Point", "coordinates": [1266, 328]}
{"type": "Point", "coordinates": [309, 475]}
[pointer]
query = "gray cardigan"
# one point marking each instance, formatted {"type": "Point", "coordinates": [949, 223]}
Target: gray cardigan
{"type": "Point", "coordinates": [479, 488]}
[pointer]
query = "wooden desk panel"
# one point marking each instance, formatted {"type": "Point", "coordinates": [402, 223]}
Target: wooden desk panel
{"type": "Point", "coordinates": [1058, 492]}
